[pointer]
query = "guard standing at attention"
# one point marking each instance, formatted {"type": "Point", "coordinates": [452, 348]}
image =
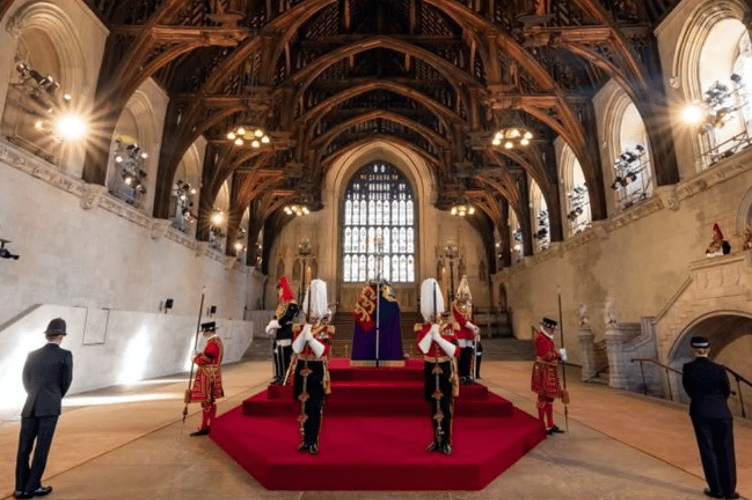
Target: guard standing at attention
{"type": "Point", "coordinates": [466, 329]}
{"type": "Point", "coordinates": [436, 340]}
{"type": "Point", "coordinates": [207, 386]}
{"type": "Point", "coordinates": [311, 345]}
{"type": "Point", "coordinates": [708, 388]}
{"type": "Point", "coordinates": [545, 377]}
{"type": "Point", "coordinates": [281, 328]}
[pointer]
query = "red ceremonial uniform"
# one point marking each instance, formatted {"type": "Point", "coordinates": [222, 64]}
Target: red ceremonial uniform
{"type": "Point", "coordinates": [463, 314]}
{"type": "Point", "coordinates": [207, 385]}
{"type": "Point", "coordinates": [322, 333]}
{"type": "Point", "coordinates": [545, 378]}
{"type": "Point", "coordinates": [435, 350]}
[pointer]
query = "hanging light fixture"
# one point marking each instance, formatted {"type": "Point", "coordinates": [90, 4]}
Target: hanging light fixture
{"type": "Point", "coordinates": [244, 134]}
{"type": "Point", "coordinates": [512, 137]}
{"type": "Point", "coordinates": [462, 208]}
{"type": "Point", "coordinates": [297, 210]}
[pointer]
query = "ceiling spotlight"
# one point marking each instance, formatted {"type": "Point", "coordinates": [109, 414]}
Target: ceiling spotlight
{"type": "Point", "coordinates": [693, 114]}
{"type": "Point", "coordinates": [218, 218]}
{"type": "Point", "coordinates": [70, 127]}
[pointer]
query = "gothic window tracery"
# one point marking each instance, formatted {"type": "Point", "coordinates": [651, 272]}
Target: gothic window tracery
{"type": "Point", "coordinates": [576, 194]}
{"type": "Point", "coordinates": [382, 218]}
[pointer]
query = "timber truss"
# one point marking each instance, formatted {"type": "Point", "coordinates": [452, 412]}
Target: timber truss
{"type": "Point", "coordinates": [325, 76]}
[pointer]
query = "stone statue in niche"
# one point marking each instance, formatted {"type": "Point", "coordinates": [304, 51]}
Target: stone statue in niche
{"type": "Point", "coordinates": [584, 315]}
{"type": "Point", "coordinates": [609, 311]}
{"type": "Point", "coordinates": [747, 239]}
{"type": "Point", "coordinates": [718, 246]}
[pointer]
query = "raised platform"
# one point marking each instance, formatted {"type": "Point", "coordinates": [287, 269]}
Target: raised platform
{"type": "Point", "coordinates": [374, 433]}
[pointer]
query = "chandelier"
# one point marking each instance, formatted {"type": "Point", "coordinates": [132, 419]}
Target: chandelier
{"type": "Point", "coordinates": [512, 137]}
{"type": "Point", "coordinates": [243, 134]}
{"type": "Point", "coordinates": [462, 208]}
{"type": "Point", "coordinates": [297, 210]}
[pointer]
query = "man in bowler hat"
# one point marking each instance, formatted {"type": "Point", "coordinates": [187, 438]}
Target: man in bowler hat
{"type": "Point", "coordinates": [708, 388]}
{"type": "Point", "coordinates": [47, 375]}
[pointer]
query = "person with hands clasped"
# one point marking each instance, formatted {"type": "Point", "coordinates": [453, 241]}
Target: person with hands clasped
{"type": "Point", "coordinates": [545, 377]}
{"type": "Point", "coordinates": [437, 342]}
{"type": "Point", "coordinates": [466, 329]}
{"type": "Point", "coordinates": [280, 328]}
{"type": "Point", "coordinates": [311, 345]}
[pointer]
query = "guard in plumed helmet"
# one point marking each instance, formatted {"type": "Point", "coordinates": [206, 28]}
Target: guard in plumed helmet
{"type": "Point", "coordinates": [281, 329]}
{"type": "Point", "coordinates": [708, 388]}
{"type": "Point", "coordinates": [207, 386]}
{"type": "Point", "coordinates": [311, 345]}
{"type": "Point", "coordinates": [465, 329]}
{"type": "Point", "coordinates": [545, 377]}
{"type": "Point", "coordinates": [437, 342]}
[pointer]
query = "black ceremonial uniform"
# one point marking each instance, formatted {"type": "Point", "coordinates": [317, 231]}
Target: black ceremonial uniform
{"type": "Point", "coordinates": [708, 387]}
{"type": "Point", "coordinates": [284, 314]}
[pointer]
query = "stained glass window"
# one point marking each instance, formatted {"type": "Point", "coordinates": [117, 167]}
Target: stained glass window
{"type": "Point", "coordinates": [379, 218]}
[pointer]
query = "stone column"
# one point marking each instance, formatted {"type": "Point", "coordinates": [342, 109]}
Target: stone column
{"type": "Point", "coordinates": [587, 344]}
{"type": "Point", "coordinates": [616, 362]}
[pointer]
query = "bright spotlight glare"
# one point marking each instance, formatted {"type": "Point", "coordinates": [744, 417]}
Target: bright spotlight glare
{"type": "Point", "coordinates": [70, 127]}
{"type": "Point", "coordinates": [217, 218]}
{"type": "Point", "coordinates": [693, 114]}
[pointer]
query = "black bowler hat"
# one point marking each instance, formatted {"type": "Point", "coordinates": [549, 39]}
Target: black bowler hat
{"type": "Point", "coordinates": [700, 342]}
{"type": "Point", "coordinates": [56, 327]}
{"type": "Point", "coordinates": [211, 326]}
{"type": "Point", "coordinates": [549, 323]}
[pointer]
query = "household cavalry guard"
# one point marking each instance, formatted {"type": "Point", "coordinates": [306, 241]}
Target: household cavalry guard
{"type": "Point", "coordinates": [437, 342]}
{"type": "Point", "coordinates": [280, 327]}
{"type": "Point", "coordinates": [311, 345]}
{"type": "Point", "coordinates": [545, 376]}
{"type": "Point", "coordinates": [466, 330]}
{"type": "Point", "coordinates": [207, 386]}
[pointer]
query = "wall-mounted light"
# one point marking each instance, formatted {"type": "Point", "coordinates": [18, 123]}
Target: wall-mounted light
{"type": "Point", "coordinates": [5, 253]}
{"type": "Point", "coordinates": [167, 305]}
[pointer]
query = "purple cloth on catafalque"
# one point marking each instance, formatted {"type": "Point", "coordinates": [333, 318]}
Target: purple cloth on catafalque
{"type": "Point", "coordinates": [390, 336]}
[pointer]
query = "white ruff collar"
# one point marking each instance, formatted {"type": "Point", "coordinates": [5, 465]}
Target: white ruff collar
{"type": "Point", "coordinates": [544, 332]}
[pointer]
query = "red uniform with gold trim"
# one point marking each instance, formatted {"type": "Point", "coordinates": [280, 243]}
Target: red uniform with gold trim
{"type": "Point", "coordinates": [545, 377]}
{"type": "Point", "coordinates": [311, 384]}
{"type": "Point", "coordinates": [207, 385]}
{"type": "Point", "coordinates": [463, 314]}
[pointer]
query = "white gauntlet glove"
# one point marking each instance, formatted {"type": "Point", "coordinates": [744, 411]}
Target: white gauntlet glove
{"type": "Point", "coordinates": [447, 346]}
{"type": "Point", "coordinates": [317, 346]}
{"type": "Point", "coordinates": [425, 343]}
{"type": "Point", "coordinates": [302, 338]}
{"type": "Point", "coordinates": [474, 328]}
{"type": "Point", "coordinates": [563, 354]}
{"type": "Point", "coordinates": [272, 326]}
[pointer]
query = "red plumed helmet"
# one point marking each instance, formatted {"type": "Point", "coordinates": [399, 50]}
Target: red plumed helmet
{"type": "Point", "coordinates": [284, 284]}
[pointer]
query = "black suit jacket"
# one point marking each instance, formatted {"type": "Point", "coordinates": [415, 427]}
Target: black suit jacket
{"type": "Point", "coordinates": [47, 375]}
{"type": "Point", "coordinates": [708, 387]}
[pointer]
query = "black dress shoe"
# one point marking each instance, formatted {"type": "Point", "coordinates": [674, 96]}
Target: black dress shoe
{"type": "Point", "coordinates": [42, 491]}
{"type": "Point", "coordinates": [733, 496]}
{"type": "Point", "coordinates": [433, 447]}
{"type": "Point", "coordinates": [712, 494]}
{"type": "Point", "coordinates": [21, 494]}
{"type": "Point", "coordinates": [302, 447]}
{"type": "Point", "coordinates": [554, 430]}
{"type": "Point", "coordinates": [313, 449]}
{"type": "Point", "coordinates": [200, 432]}
{"type": "Point", "coordinates": [446, 448]}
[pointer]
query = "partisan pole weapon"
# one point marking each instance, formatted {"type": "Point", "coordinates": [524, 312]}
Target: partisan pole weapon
{"type": "Point", "coordinates": [565, 393]}
{"type": "Point", "coordinates": [187, 397]}
{"type": "Point", "coordinates": [439, 417]}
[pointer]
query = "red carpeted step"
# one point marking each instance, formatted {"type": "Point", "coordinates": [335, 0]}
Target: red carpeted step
{"type": "Point", "coordinates": [375, 453]}
{"type": "Point", "coordinates": [381, 390]}
{"type": "Point", "coordinates": [262, 405]}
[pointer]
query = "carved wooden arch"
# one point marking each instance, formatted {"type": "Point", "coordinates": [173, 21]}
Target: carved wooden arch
{"type": "Point", "coordinates": [315, 114]}
{"type": "Point", "coordinates": [430, 160]}
{"type": "Point", "coordinates": [325, 139]}
{"type": "Point", "coordinates": [535, 170]}
{"type": "Point", "coordinates": [504, 186]}
{"type": "Point", "coordinates": [456, 77]}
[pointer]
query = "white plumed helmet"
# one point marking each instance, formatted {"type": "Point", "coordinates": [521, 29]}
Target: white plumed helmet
{"type": "Point", "coordinates": [428, 290]}
{"type": "Point", "coordinates": [316, 295]}
{"type": "Point", "coordinates": [464, 288]}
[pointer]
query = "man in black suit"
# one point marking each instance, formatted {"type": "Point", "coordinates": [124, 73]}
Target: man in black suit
{"type": "Point", "coordinates": [708, 388]}
{"type": "Point", "coordinates": [47, 376]}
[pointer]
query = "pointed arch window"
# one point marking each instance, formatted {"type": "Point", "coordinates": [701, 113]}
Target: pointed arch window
{"type": "Point", "coordinates": [383, 210]}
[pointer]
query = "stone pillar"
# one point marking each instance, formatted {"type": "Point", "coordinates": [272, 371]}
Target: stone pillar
{"type": "Point", "coordinates": [616, 362]}
{"type": "Point", "coordinates": [587, 345]}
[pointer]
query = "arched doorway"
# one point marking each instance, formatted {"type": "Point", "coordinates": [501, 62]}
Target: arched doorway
{"type": "Point", "coordinates": [730, 336]}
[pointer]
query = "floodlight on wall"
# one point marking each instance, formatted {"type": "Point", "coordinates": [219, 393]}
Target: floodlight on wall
{"type": "Point", "coordinates": [129, 159]}
{"type": "Point", "coordinates": [167, 305]}
{"type": "Point", "coordinates": [5, 253]}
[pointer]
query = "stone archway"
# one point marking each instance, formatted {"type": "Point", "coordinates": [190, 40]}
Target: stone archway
{"type": "Point", "coordinates": [730, 336]}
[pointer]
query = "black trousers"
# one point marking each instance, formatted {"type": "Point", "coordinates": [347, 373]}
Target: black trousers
{"type": "Point", "coordinates": [715, 438]}
{"type": "Point", "coordinates": [39, 430]}
{"type": "Point", "coordinates": [441, 399]}
{"type": "Point", "coordinates": [465, 362]}
{"type": "Point", "coordinates": [282, 357]}
{"type": "Point", "coordinates": [312, 387]}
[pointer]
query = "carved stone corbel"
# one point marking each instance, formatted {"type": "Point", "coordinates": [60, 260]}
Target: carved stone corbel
{"type": "Point", "coordinates": [14, 26]}
{"type": "Point", "coordinates": [669, 197]}
{"type": "Point", "coordinates": [159, 228]}
{"type": "Point", "coordinates": [201, 248]}
{"type": "Point", "coordinates": [90, 195]}
{"type": "Point", "coordinates": [229, 262]}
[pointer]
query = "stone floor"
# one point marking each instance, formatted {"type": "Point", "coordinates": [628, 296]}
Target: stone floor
{"type": "Point", "coordinates": [129, 442]}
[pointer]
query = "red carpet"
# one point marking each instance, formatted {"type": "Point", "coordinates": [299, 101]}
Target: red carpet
{"type": "Point", "coordinates": [375, 430]}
